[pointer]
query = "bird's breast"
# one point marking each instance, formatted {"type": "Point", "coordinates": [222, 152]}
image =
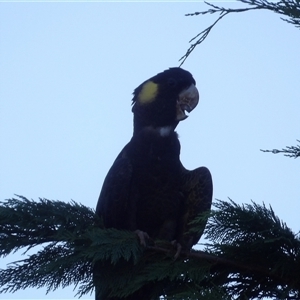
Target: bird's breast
{"type": "Point", "coordinates": [156, 175]}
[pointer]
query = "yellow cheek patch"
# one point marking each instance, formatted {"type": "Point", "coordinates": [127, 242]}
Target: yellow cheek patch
{"type": "Point", "coordinates": [148, 92]}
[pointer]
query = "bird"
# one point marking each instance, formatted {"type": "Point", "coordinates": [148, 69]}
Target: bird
{"type": "Point", "coordinates": [147, 189]}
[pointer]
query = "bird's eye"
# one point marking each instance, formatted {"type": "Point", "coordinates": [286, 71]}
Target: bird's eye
{"type": "Point", "coordinates": [172, 82]}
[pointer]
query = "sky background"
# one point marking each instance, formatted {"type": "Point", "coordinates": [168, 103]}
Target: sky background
{"type": "Point", "coordinates": [67, 73]}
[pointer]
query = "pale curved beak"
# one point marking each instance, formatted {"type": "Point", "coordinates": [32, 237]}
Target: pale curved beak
{"type": "Point", "coordinates": [187, 101]}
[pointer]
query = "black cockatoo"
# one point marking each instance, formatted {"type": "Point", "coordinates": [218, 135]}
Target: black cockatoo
{"type": "Point", "coordinates": [147, 189]}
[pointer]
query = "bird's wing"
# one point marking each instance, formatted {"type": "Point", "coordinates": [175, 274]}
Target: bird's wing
{"type": "Point", "coordinates": [115, 204]}
{"type": "Point", "coordinates": [198, 188]}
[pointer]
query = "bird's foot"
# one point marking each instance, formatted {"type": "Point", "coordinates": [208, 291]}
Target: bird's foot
{"type": "Point", "coordinates": [142, 236]}
{"type": "Point", "coordinates": [178, 248]}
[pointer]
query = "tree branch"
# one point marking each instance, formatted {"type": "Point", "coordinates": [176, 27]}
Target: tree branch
{"type": "Point", "coordinates": [221, 261]}
{"type": "Point", "coordinates": [288, 8]}
{"type": "Point", "coordinates": [289, 151]}
{"type": "Point", "coordinates": [248, 244]}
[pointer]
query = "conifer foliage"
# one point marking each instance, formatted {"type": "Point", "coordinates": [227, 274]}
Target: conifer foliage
{"type": "Point", "coordinates": [250, 253]}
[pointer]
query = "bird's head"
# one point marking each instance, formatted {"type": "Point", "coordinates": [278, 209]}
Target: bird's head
{"type": "Point", "coordinates": [164, 99]}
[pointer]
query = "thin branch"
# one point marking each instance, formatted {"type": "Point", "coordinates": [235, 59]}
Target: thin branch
{"type": "Point", "coordinates": [215, 260]}
{"type": "Point", "coordinates": [203, 35]}
{"type": "Point", "coordinates": [288, 8]}
{"type": "Point", "coordinates": [289, 151]}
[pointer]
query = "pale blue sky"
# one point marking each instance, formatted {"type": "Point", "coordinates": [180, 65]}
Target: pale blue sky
{"type": "Point", "coordinates": [67, 72]}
